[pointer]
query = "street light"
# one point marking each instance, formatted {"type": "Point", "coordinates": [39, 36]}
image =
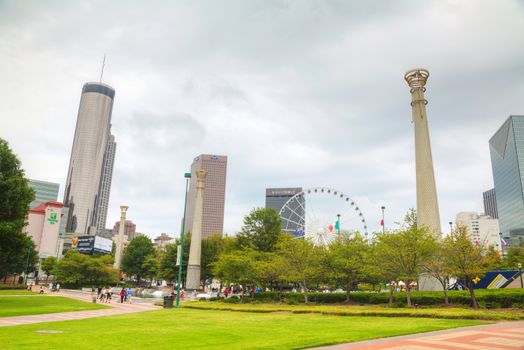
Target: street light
{"type": "Point", "coordinates": [383, 222]}
{"type": "Point", "coordinates": [520, 273]}
{"type": "Point", "coordinates": [338, 223]}
{"type": "Point", "coordinates": [501, 244]}
{"type": "Point", "coordinates": [187, 176]}
{"type": "Point", "coordinates": [450, 226]}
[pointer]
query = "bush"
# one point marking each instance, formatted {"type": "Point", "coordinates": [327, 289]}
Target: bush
{"type": "Point", "coordinates": [12, 286]}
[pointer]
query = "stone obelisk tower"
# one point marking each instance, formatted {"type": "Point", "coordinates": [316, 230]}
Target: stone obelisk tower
{"type": "Point", "coordinates": [120, 239]}
{"type": "Point", "coordinates": [427, 203]}
{"type": "Point", "coordinates": [193, 266]}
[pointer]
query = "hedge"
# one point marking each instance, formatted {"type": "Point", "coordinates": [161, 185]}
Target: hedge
{"type": "Point", "coordinates": [495, 297]}
{"type": "Point", "coordinates": [12, 286]}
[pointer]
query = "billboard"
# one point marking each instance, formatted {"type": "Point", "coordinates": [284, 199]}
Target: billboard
{"type": "Point", "coordinates": [92, 244]}
{"type": "Point", "coordinates": [103, 245]}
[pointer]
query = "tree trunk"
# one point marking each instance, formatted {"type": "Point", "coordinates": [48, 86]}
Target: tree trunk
{"type": "Point", "coordinates": [408, 294]}
{"type": "Point", "coordinates": [446, 287]}
{"type": "Point", "coordinates": [348, 291]}
{"type": "Point", "coordinates": [474, 302]}
{"type": "Point", "coordinates": [305, 292]}
{"type": "Point", "coordinates": [391, 288]}
{"type": "Point", "coordinates": [280, 292]}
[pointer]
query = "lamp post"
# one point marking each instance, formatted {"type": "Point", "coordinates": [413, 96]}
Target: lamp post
{"type": "Point", "coordinates": [501, 244]}
{"type": "Point", "coordinates": [383, 222]}
{"type": "Point", "coordinates": [520, 273]}
{"type": "Point", "coordinates": [450, 227]}
{"type": "Point", "coordinates": [338, 223]}
{"type": "Point", "coordinates": [187, 176]}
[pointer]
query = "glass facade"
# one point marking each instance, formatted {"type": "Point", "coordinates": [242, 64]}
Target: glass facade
{"type": "Point", "coordinates": [507, 161]}
{"type": "Point", "coordinates": [44, 192]}
{"type": "Point", "coordinates": [490, 203]}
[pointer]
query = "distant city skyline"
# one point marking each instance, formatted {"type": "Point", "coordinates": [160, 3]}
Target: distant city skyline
{"type": "Point", "coordinates": [323, 105]}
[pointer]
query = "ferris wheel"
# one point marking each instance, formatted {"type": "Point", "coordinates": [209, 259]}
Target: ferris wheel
{"type": "Point", "coordinates": [322, 214]}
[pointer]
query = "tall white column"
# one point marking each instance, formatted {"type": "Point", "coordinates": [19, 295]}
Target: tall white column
{"type": "Point", "coordinates": [427, 203]}
{"type": "Point", "coordinates": [193, 266]}
{"type": "Point", "coordinates": [120, 239]}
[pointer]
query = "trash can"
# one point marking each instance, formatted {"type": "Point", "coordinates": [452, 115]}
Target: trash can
{"type": "Point", "coordinates": [168, 301]}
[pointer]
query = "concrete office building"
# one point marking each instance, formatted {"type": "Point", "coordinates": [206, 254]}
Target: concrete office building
{"type": "Point", "coordinates": [276, 198]}
{"type": "Point", "coordinates": [129, 229]}
{"type": "Point", "coordinates": [100, 217]}
{"type": "Point", "coordinates": [44, 192]}
{"type": "Point", "coordinates": [83, 186]}
{"type": "Point", "coordinates": [507, 163]}
{"type": "Point", "coordinates": [490, 203]}
{"type": "Point", "coordinates": [214, 194]}
{"type": "Point", "coordinates": [482, 229]}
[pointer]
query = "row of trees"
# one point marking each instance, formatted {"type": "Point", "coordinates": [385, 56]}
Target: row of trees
{"type": "Point", "coordinates": [404, 255]}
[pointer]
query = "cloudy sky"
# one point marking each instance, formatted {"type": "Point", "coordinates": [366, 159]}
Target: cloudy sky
{"type": "Point", "coordinates": [296, 93]}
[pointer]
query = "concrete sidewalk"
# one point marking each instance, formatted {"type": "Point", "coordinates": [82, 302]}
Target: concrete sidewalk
{"type": "Point", "coordinates": [504, 335]}
{"type": "Point", "coordinates": [116, 309]}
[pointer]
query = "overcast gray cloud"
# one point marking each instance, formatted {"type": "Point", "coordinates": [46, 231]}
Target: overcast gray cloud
{"type": "Point", "coordinates": [296, 93]}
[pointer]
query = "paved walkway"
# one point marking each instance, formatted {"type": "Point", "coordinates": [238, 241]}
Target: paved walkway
{"type": "Point", "coordinates": [501, 336]}
{"type": "Point", "coordinates": [116, 309]}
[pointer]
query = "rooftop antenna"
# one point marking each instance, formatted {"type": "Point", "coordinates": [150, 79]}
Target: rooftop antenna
{"type": "Point", "coordinates": [103, 65]}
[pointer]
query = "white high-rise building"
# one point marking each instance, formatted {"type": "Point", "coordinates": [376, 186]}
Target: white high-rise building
{"type": "Point", "coordinates": [482, 229]}
{"type": "Point", "coordinates": [84, 191]}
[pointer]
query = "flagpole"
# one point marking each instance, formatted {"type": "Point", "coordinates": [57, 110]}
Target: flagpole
{"type": "Point", "coordinates": [338, 221]}
{"type": "Point", "coordinates": [383, 222]}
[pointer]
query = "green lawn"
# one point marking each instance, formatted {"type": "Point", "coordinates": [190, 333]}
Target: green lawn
{"type": "Point", "coordinates": [369, 310]}
{"type": "Point", "coordinates": [16, 292]}
{"type": "Point", "coordinates": [208, 329]}
{"type": "Point", "coordinates": [41, 304]}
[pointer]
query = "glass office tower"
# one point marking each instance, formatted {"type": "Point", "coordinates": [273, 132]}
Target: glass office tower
{"type": "Point", "coordinates": [507, 162]}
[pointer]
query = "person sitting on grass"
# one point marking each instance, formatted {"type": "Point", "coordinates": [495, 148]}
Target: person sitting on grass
{"type": "Point", "coordinates": [41, 290]}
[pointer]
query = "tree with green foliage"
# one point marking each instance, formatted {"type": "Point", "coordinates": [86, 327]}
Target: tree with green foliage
{"type": "Point", "coordinates": [468, 261]}
{"type": "Point", "coordinates": [261, 230]}
{"type": "Point", "coordinates": [151, 267]}
{"type": "Point", "coordinates": [405, 253]}
{"type": "Point", "coordinates": [237, 267]}
{"type": "Point", "coordinates": [346, 259]}
{"type": "Point", "coordinates": [439, 266]}
{"type": "Point", "coordinates": [137, 252]}
{"type": "Point", "coordinates": [15, 197]}
{"type": "Point", "coordinates": [168, 263]}
{"type": "Point", "coordinates": [211, 248]}
{"type": "Point", "coordinates": [513, 256]}
{"type": "Point", "coordinates": [77, 270]}
{"type": "Point", "coordinates": [304, 261]}
{"type": "Point", "coordinates": [49, 266]}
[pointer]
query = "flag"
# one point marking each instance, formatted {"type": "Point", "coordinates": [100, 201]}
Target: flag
{"type": "Point", "coordinates": [337, 225]}
{"type": "Point", "coordinates": [382, 222]}
{"type": "Point", "coordinates": [503, 242]}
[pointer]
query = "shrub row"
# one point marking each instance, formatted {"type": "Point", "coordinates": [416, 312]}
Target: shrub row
{"type": "Point", "coordinates": [494, 297]}
{"type": "Point", "coordinates": [12, 286]}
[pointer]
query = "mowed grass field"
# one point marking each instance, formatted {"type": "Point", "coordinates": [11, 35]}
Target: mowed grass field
{"type": "Point", "coordinates": [41, 304]}
{"type": "Point", "coordinates": [212, 329]}
{"type": "Point", "coordinates": [16, 292]}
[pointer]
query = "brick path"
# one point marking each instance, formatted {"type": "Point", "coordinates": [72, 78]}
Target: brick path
{"type": "Point", "coordinates": [116, 309]}
{"type": "Point", "coordinates": [501, 336]}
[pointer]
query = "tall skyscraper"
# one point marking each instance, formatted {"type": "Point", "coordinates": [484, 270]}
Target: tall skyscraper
{"type": "Point", "coordinates": [490, 203]}
{"type": "Point", "coordinates": [44, 192]}
{"type": "Point", "coordinates": [507, 163]}
{"type": "Point", "coordinates": [129, 229]}
{"type": "Point", "coordinates": [83, 190]}
{"type": "Point", "coordinates": [277, 197]}
{"type": "Point", "coordinates": [214, 194]}
{"type": "Point", "coordinates": [427, 204]}
{"type": "Point", "coordinates": [102, 204]}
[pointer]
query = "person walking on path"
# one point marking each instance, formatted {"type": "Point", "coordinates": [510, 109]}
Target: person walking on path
{"type": "Point", "coordinates": [226, 292]}
{"type": "Point", "coordinates": [122, 295]}
{"type": "Point", "coordinates": [58, 287]}
{"type": "Point", "coordinates": [108, 295]}
{"type": "Point", "coordinates": [129, 295]}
